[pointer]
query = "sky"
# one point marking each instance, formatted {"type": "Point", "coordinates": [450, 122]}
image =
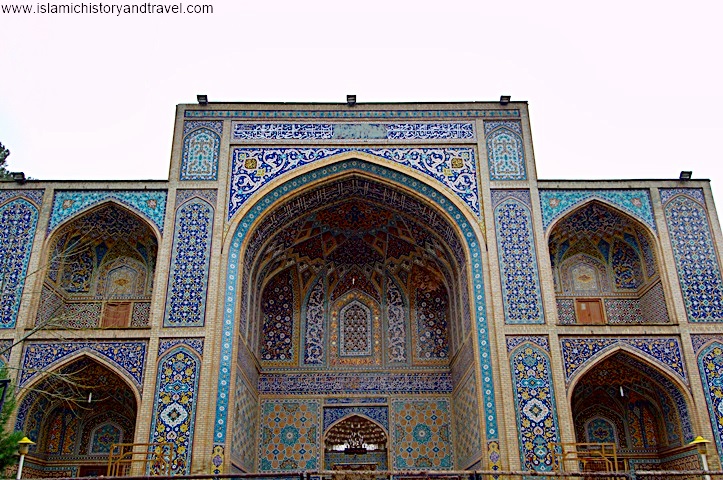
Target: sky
{"type": "Point", "coordinates": [616, 90]}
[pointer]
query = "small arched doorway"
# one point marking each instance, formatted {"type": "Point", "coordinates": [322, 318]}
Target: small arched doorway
{"type": "Point", "coordinates": [75, 413]}
{"type": "Point", "coordinates": [626, 401]}
{"type": "Point", "coordinates": [355, 443]}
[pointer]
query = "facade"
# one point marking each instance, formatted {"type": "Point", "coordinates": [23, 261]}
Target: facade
{"type": "Point", "coordinates": [380, 286]}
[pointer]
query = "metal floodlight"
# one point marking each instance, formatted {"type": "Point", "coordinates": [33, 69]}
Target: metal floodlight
{"type": "Point", "coordinates": [19, 177]}
{"type": "Point", "coordinates": [505, 99]}
{"type": "Point", "coordinates": [350, 100]}
{"type": "Point", "coordinates": [686, 175]}
{"type": "Point", "coordinates": [202, 99]}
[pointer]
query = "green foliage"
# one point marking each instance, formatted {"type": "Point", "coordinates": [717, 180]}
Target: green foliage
{"type": "Point", "coordinates": [8, 438]}
{"type": "Point", "coordinates": [4, 154]}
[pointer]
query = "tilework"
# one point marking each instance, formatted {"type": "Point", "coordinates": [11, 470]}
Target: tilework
{"type": "Point", "coordinates": [252, 168]}
{"type": "Point", "coordinates": [599, 430]}
{"type": "Point", "coordinates": [652, 305]}
{"type": "Point", "coordinates": [290, 435]}
{"type": "Point", "coordinates": [397, 324]}
{"type": "Point", "coordinates": [566, 311]}
{"type": "Point", "coordinates": [245, 425]}
{"type": "Point", "coordinates": [710, 364]}
{"type": "Point", "coordinates": [514, 341]}
{"type": "Point", "coordinates": [699, 341]}
{"type": "Point", "coordinates": [314, 328]}
{"type": "Point", "coordinates": [38, 357]}
{"type": "Point", "coordinates": [201, 148]}
{"type": "Point", "coordinates": [556, 203]}
{"type": "Point", "coordinates": [430, 327]}
{"type": "Point", "coordinates": [81, 315]}
{"type": "Point", "coordinates": [359, 400]}
{"type": "Point", "coordinates": [103, 437]}
{"type": "Point", "coordinates": [141, 314]}
{"type": "Point", "coordinates": [379, 415]}
{"type": "Point", "coordinates": [347, 131]}
{"type": "Point", "coordinates": [5, 347]}
{"type": "Point", "coordinates": [623, 310]}
{"type": "Point", "coordinates": [465, 415]}
{"type": "Point", "coordinates": [165, 344]}
{"type": "Point", "coordinates": [663, 351]}
{"type": "Point", "coordinates": [505, 150]}
{"type": "Point", "coordinates": [19, 219]}
{"type": "Point", "coordinates": [354, 382]}
{"type": "Point", "coordinates": [184, 195]}
{"type": "Point", "coordinates": [421, 434]}
{"type": "Point", "coordinates": [518, 260]}
{"type": "Point", "coordinates": [278, 307]}
{"type": "Point", "coordinates": [462, 362]}
{"type": "Point", "coordinates": [346, 382]}
{"type": "Point", "coordinates": [396, 114]}
{"type": "Point", "coordinates": [535, 407]}
{"type": "Point", "coordinates": [174, 413]}
{"type": "Point", "coordinates": [695, 258]}
{"type": "Point", "coordinates": [355, 330]}
{"type": "Point", "coordinates": [667, 194]}
{"type": "Point", "coordinates": [149, 204]}
{"type": "Point", "coordinates": [35, 196]}
{"type": "Point", "coordinates": [190, 260]}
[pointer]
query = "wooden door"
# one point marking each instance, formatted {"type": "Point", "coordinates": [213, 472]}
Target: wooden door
{"type": "Point", "coordinates": [589, 311]}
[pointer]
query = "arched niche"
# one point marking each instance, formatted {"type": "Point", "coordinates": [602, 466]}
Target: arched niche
{"type": "Point", "coordinates": [606, 268]}
{"type": "Point", "coordinates": [356, 443]}
{"type": "Point", "coordinates": [100, 268]}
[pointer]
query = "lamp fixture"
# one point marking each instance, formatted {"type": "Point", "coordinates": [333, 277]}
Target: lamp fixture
{"type": "Point", "coordinates": [19, 177]}
{"type": "Point", "coordinates": [202, 99]}
{"type": "Point", "coordinates": [686, 175]}
{"type": "Point", "coordinates": [350, 100]}
{"type": "Point", "coordinates": [505, 99]}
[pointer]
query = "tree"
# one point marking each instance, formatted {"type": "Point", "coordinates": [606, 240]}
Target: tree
{"type": "Point", "coordinates": [4, 154]}
{"type": "Point", "coordinates": [8, 439]}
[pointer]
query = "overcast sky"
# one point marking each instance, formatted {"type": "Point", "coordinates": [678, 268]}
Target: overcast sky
{"type": "Point", "coordinates": [616, 89]}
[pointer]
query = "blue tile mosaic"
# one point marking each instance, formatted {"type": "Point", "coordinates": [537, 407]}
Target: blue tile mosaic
{"type": "Point", "coordinates": [556, 203]}
{"type": "Point", "coordinates": [149, 204]}
{"type": "Point", "coordinates": [252, 168]}
{"type": "Point", "coordinates": [39, 357]}
{"type": "Point", "coordinates": [348, 400]}
{"type": "Point", "coordinates": [379, 414]}
{"type": "Point", "coordinates": [397, 114]}
{"type": "Point", "coordinates": [190, 261]}
{"type": "Point", "coordinates": [267, 201]}
{"type": "Point", "coordinates": [535, 407]}
{"type": "Point", "coordinates": [695, 256]}
{"type": "Point", "coordinates": [710, 365]}
{"type": "Point", "coordinates": [663, 351]}
{"type": "Point", "coordinates": [667, 194]}
{"type": "Point", "coordinates": [35, 196]}
{"type": "Point", "coordinates": [518, 259]}
{"type": "Point", "coordinates": [165, 344]}
{"type": "Point", "coordinates": [347, 131]}
{"type": "Point", "coordinates": [513, 341]}
{"type": "Point", "coordinates": [505, 150]}
{"type": "Point", "coordinates": [354, 382]}
{"type": "Point", "coordinates": [201, 149]}
{"type": "Point", "coordinates": [174, 411]}
{"type": "Point", "coordinates": [19, 218]}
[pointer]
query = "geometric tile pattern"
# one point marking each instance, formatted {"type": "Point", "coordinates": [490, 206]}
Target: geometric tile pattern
{"type": "Point", "coordinates": [513, 341]}
{"type": "Point", "coordinates": [518, 260]}
{"type": "Point", "coordinates": [35, 196]}
{"type": "Point", "coordinates": [141, 314]}
{"type": "Point", "coordinates": [40, 357]}
{"type": "Point", "coordinates": [623, 310]}
{"type": "Point", "coordinates": [348, 113]}
{"type": "Point", "coordinates": [695, 258]}
{"type": "Point", "coordinates": [505, 151]}
{"type": "Point", "coordinates": [201, 148]}
{"type": "Point", "coordinates": [422, 434]}
{"type": "Point", "coordinates": [710, 364]}
{"type": "Point", "coordinates": [466, 423]}
{"type": "Point", "coordinates": [290, 435]}
{"type": "Point", "coordinates": [19, 219]}
{"type": "Point", "coordinates": [174, 413]}
{"type": "Point", "coordinates": [566, 311]}
{"type": "Point", "coordinates": [345, 131]}
{"type": "Point", "coordinates": [396, 318]}
{"type": "Point", "coordinates": [454, 167]}
{"type": "Point", "coordinates": [245, 425]}
{"type": "Point", "coordinates": [699, 341]}
{"type": "Point", "coordinates": [653, 307]}
{"type": "Point", "coordinates": [314, 337]}
{"type": "Point", "coordinates": [662, 351]}
{"type": "Point", "coordinates": [307, 384]}
{"type": "Point", "coordinates": [555, 203]}
{"type": "Point", "coordinates": [354, 382]}
{"type": "Point", "coordinates": [165, 344]}
{"type": "Point", "coordinates": [535, 407]}
{"type": "Point", "coordinates": [379, 415]}
{"type": "Point", "coordinates": [149, 204]}
{"type": "Point", "coordinates": [278, 307]}
{"type": "Point", "coordinates": [190, 259]}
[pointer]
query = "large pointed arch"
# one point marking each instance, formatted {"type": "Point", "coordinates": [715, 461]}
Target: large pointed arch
{"type": "Point", "coordinates": [465, 226]}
